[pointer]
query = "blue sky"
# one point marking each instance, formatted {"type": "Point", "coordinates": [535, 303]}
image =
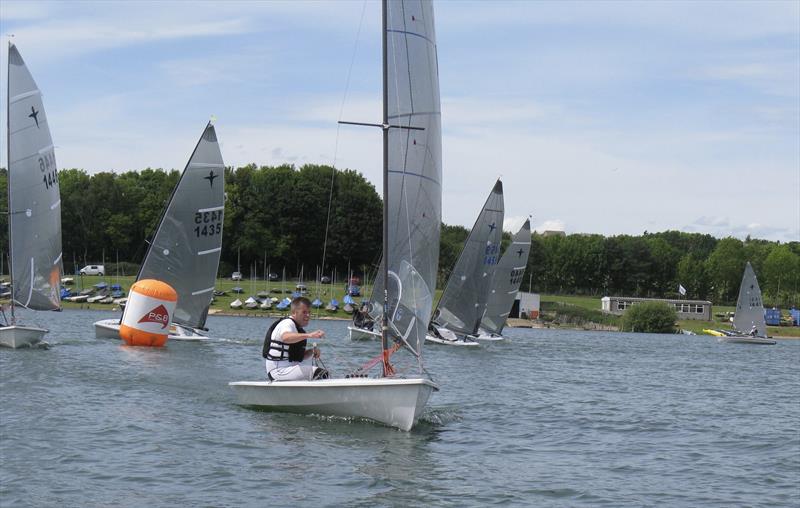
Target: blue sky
{"type": "Point", "coordinates": [601, 117]}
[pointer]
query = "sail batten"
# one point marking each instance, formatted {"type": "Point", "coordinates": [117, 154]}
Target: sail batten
{"type": "Point", "coordinates": [23, 96]}
{"type": "Point", "coordinates": [186, 248]}
{"type": "Point", "coordinates": [33, 194]}
{"type": "Point", "coordinates": [205, 165]}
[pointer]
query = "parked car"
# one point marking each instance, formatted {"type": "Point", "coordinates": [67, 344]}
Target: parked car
{"type": "Point", "coordinates": [236, 276]}
{"type": "Point", "coordinates": [273, 276]}
{"type": "Point", "coordinates": [93, 270]}
{"type": "Point", "coordinates": [325, 279]}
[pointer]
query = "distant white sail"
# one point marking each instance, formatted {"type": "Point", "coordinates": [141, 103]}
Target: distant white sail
{"type": "Point", "coordinates": [186, 248]}
{"type": "Point", "coordinates": [749, 306]}
{"type": "Point", "coordinates": [34, 201]}
{"type": "Point", "coordinates": [507, 279]}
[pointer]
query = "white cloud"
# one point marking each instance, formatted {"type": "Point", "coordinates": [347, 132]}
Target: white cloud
{"type": "Point", "coordinates": [55, 40]}
{"type": "Point", "coordinates": [512, 224]}
{"type": "Point", "coordinates": [22, 11]}
{"type": "Point", "coordinates": [550, 225]}
{"type": "Point", "coordinates": [611, 117]}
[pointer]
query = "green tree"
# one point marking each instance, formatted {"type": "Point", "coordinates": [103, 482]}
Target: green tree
{"type": "Point", "coordinates": [536, 269]}
{"type": "Point", "coordinates": [691, 274]}
{"type": "Point", "coordinates": [724, 267]}
{"type": "Point", "coordinates": [665, 259]}
{"type": "Point", "coordinates": [451, 243]}
{"type": "Point", "coordinates": [779, 276]}
{"type": "Point", "coordinates": [630, 265]}
{"type": "Point", "coordinates": [650, 317]}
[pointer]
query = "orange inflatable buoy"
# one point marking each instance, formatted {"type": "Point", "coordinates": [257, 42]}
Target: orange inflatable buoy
{"type": "Point", "coordinates": [148, 313]}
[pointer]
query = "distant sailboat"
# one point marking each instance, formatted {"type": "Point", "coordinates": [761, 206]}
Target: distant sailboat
{"type": "Point", "coordinates": [749, 326]}
{"type": "Point", "coordinates": [507, 279]}
{"type": "Point", "coordinates": [186, 248]}
{"type": "Point", "coordinates": [34, 206]}
{"type": "Point", "coordinates": [458, 316]}
{"type": "Point", "coordinates": [411, 126]}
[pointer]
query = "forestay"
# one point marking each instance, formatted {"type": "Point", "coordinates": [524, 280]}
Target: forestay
{"type": "Point", "coordinates": [464, 298]}
{"type": "Point", "coordinates": [507, 279]}
{"type": "Point", "coordinates": [749, 306]}
{"type": "Point", "coordinates": [186, 248]}
{"type": "Point", "coordinates": [414, 172]}
{"type": "Point", "coordinates": [34, 200]}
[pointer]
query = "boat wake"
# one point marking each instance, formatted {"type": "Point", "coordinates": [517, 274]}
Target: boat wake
{"type": "Point", "coordinates": [440, 416]}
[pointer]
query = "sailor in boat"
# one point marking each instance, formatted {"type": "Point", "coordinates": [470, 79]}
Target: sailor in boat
{"type": "Point", "coordinates": [362, 319]}
{"type": "Point", "coordinates": [754, 331]}
{"type": "Point", "coordinates": [287, 358]}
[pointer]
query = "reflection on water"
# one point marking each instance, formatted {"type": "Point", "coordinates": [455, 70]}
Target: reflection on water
{"type": "Point", "coordinates": [547, 417]}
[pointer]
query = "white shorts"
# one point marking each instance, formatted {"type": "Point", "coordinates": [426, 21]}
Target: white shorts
{"type": "Point", "coordinates": [290, 371]}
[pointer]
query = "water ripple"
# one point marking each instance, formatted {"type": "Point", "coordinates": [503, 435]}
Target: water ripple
{"type": "Point", "coordinates": [547, 418]}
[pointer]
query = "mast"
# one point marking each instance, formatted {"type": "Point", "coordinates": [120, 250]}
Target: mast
{"type": "Point", "coordinates": [385, 317]}
{"type": "Point", "coordinates": [385, 126]}
{"type": "Point", "coordinates": [8, 182]}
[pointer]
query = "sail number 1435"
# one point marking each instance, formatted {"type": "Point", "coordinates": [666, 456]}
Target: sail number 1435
{"type": "Point", "coordinates": [209, 223]}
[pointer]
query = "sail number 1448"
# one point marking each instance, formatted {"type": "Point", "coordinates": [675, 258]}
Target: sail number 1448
{"type": "Point", "coordinates": [47, 165]}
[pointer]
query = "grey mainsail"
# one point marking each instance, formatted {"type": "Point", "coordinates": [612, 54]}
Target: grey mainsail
{"type": "Point", "coordinates": [464, 298]}
{"type": "Point", "coordinates": [34, 201]}
{"type": "Point", "coordinates": [186, 248]}
{"type": "Point", "coordinates": [749, 306]}
{"type": "Point", "coordinates": [507, 279]}
{"type": "Point", "coordinates": [414, 199]}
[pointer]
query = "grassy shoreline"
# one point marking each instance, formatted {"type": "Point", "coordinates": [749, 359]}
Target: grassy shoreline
{"type": "Point", "coordinates": [221, 305]}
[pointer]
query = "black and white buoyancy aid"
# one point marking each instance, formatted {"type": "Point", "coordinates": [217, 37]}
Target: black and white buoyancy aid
{"type": "Point", "coordinates": [277, 350]}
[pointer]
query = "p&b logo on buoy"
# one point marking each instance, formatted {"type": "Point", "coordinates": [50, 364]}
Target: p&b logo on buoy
{"type": "Point", "coordinates": [157, 315]}
{"type": "Point", "coordinates": [148, 313]}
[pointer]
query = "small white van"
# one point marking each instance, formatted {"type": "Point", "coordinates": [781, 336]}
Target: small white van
{"type": "Point", "coordinates": [93, 270]}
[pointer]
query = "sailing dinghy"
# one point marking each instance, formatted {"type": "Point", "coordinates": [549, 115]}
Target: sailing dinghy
{"type": "Point", "coordinates": [508, 276]}
{"type": "Point", "coordinates": [457, 318]}
{"type": "Point", "coordinates": [412, 214]}
{"type": "Point", "coordinates": [749, 313]}
{"type": "Point", "coordinates": [34, 206]}
{"type": "Point", "coordinates": [186, 248]}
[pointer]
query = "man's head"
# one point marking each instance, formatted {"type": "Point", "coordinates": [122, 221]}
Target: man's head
{"type": "Point", "coordinates": [300, 310]}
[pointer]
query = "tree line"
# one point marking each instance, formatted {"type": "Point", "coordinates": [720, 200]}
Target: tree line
{"type": "Point", "coordinates": [289, 218]}
{"type": "Point", "coordinates": [655, 264]}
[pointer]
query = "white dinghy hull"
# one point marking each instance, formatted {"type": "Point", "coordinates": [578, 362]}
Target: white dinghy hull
{"type": "Point", "coordinates": [16, 336]}
{"type": "Point", "coordinates": [732, 339]}
{"type": "Point", "coordinates": [393, 402]}
{"type": "Point", "coordinates": [458, 342]}
{"type": "Point", "coordinates": [362, 334]}
{"type": "Point", "coordinates": [449, 338]}
{"type": "Point", "coordinates": [488, 336]}
{"type": "Point", "coordinates": [109, 329]}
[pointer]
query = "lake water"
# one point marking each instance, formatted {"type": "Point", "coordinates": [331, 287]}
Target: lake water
{"type": "Point", "coordinates": [546, 418]}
